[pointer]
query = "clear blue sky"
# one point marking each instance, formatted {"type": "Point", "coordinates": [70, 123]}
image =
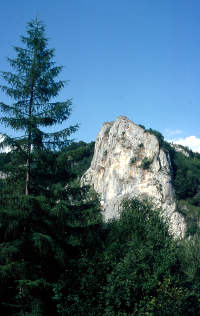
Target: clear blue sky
{"type": "Point", "coordinates": [139, 58]}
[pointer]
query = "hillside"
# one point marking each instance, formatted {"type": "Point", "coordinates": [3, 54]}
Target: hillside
{"type": "Point", "coordinates": [181, 173]}
{"type": "Point", "coordinates": [59, 257]}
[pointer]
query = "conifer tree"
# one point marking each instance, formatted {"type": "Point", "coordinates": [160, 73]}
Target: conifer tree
{"type": "Point", "coordinates": [32, 86]}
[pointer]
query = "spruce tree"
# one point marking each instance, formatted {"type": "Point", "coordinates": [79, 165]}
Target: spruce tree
{"type": "Point", "coordinates": [32, 86]}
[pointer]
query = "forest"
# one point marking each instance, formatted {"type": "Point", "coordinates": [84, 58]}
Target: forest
{"type": "Point", "coordinates": [57, 254]}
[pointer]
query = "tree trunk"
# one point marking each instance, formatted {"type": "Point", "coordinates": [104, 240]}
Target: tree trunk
{"type": "Point", "coordinates": [28, 162]}
{"type": "Point", "coordinates": [28, 168]}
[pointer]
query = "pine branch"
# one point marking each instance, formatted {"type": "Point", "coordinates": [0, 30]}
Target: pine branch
{"type": "Point", "coordinates": [17, 143]}
{"type": "Point", "coordinates": [13, 110]}
{"type": "Point", "coordinates": [59, 139]}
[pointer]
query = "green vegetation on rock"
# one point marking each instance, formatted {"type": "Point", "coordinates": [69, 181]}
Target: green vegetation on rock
{"type": "Point", "coordinates": [146, 163]}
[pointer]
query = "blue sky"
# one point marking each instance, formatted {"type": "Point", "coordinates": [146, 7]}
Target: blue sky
{"type": "Point", "coordinates": [138, 58]}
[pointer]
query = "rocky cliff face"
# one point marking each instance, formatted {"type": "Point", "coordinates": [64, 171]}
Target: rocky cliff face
{"type": "Point", "coordinates": [128, 161]}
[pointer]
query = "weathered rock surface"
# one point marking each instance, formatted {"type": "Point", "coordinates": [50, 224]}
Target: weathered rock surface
{"type": "Point", "coordinates": [128, 161]}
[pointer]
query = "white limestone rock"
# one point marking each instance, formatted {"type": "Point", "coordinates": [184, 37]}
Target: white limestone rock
{"type": "Point", "coordinates": [116, 171]}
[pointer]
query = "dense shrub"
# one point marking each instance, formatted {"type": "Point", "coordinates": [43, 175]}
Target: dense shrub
{"type": "Point", "coordinates": [146, 163]}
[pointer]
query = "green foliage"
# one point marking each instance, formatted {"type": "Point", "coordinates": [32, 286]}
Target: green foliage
{"type": "Point", "coordinates": [48, 168]}
{"type": "Point", "coordinates": [141, 260]}
{"type": "Point", "coordinates": [4, 159]}
{"type": "Point", "coordinates": [191, 214]}
{"type": "Point", "coordinates": [133, 160]}
{"type": "Point", "coordinates": [56, 256]}
{"type": "Point", "coordinates": [79, 156]}
{"type": "Point", "coordinates": [187, 177]}
{"type": "Point", "coordinates": [40, 238]}
{"type": "Point", "coordinates": [32, 86]}
{"type": "Point", "coordinates": [142, 126]}
{"type": "Point", "coordinates": [141, 145]}
{"type": "Point", "coordinates": [146, 163]}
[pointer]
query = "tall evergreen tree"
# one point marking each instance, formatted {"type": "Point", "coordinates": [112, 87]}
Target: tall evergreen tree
{"type": "Point", "coordinates": [32, 87]}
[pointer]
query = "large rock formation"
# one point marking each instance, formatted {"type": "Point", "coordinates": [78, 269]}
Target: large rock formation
{"type": "Point", "coordinates": [128, 161]}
